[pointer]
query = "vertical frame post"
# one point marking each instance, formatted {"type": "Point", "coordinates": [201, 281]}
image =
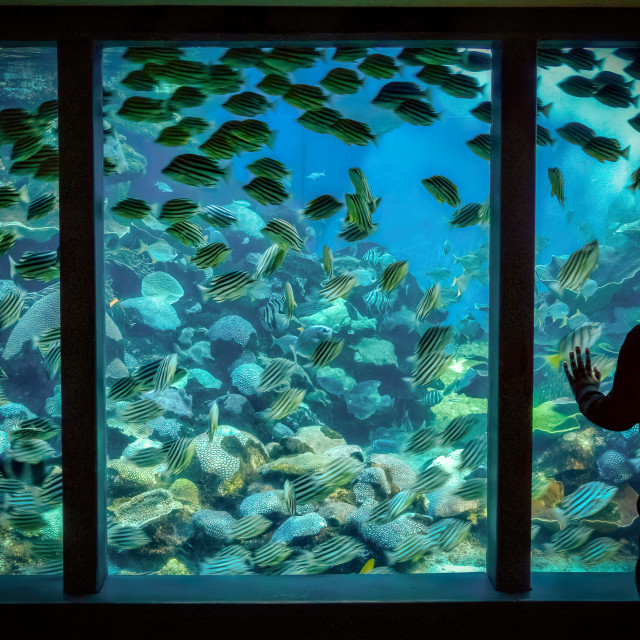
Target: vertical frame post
{"type": "Point", "coordinates": [511, 293]}
{"type": "Point", "coordinates": [82, 313]}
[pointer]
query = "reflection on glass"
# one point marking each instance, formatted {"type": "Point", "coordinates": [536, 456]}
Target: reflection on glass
{"type": "Point", "coordinates": [585, 478]}
{"type": "Point", "coordinates": [30, 471]}
{"type": "Point", "coordinates": [296, 248]}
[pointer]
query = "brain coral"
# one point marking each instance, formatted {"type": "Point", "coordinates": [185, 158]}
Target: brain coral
{"type": "Point", "coordinates": [146, 507]}
{"type": "Point", "coordinates": [161, 285]}
{"type": "Point", "coordinates": [42, 315]}
{"type": "Point", "coordinates": [388, 536]}
{"type": "Point", "coordinates": [613, 467]}
{"type": "Point", "coordinates": [111, 328]}
{"type": "Point", "coordinates": [53, 405]}
{"type": "Point", "coordinates": [263, 503]}
{"type": "Point", "coordinates": [214, 523]}
{"type": "Point", "coordinates": [232, 329]}
{"type": "Point", "coordinates": [245, 378]}
{"type": "Point", "coordinates": [299, 527]}
{"type": "Point", "coordinates": [155, 312]}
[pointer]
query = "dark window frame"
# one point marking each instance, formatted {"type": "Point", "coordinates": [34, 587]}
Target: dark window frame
{"type": "Point", "coordinates": [513, 34]}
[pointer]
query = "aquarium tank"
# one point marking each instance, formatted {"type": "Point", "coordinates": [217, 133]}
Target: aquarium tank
{"type": "Point", "coordinates": [30, 398]}
{"type": "Point", "coordinates": [585, 478]}
{"type": "Point", "coordinates": [296, 281]}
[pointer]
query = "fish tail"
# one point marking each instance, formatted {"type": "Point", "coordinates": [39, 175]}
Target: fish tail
{"type": "Point", "coordinates": [553, 360]}
{"type": "Point", "coordinates": [625, 152]}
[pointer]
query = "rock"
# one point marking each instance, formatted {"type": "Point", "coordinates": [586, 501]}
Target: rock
{"type": "Point", "coordinates": [296, 528]}
{"type": "Point", "coordinates": [335, 380]}
{"type": "Point", "coordinates": [174, 568]}
{"type": "Point", "coordinates": [364, 400]}
{"type": "Point", "coordinates": [282, 431]}
{"type": "Point", "coordinates": [292, 466]}
{"type": "Point", "coordinates": [375, 351]}
{"type": "Point", "coordinates": [345, 450]}
{"type": "Point", "coordinates": [146, 507]}
{"type": "Point", "coordinates": [336, 513]}
{"type": "Point", "coordinates": [238, 405]}
{"type": "Point", "coordinates": [314, 439]}
{"type": "Point", "coordinates": [215, 524]}
{"type": "Point", "coordinates": [334, 316]}
{"type": "Point", "coordinates": [364, 493]}
{"type": "Point", "coordinates": [375, 476]}
{"type": "Point", "coordinates": [399, 473]}
{"type": "Point", "coordinates": [185, 490]}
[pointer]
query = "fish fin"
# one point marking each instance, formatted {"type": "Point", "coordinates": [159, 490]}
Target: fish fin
{"type": "Point", "coordinates": [271, 139]}
{"type": "Point", "coordinates": [481, 88]}
{"type": "Point", "coordinates": [143, 247]}
{"type": "Point", "coordinates": [553, 360]}
{"type": "Point", "coordinates": [625, 152]}
{"type": "Point", "coordinates": [205, 294]}
{"type": "Point", "coordinates": [12, 268]}
{"type": "Point", "coordinates": [368, 566]}
{"type": "Point", "coordinates": [560, 516]}
{"type": "Point", "coordinates": [634, 101]}
{"type": "Point", "coordinates": [546, 109]}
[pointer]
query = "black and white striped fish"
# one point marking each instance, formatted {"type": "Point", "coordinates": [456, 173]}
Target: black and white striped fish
{"type": "Point", "coordinates": [31, 450]}
{"type": "Point", "coordinates": [315, 486]}
{"type": "Point", "coordinates": [125, 536]}
{"type": "Point", "coordinates": [322, 207]}
{"type": "Point", "coordinates": [249, 527]}
{"type": "Point", "coordinates": [599, 550]}
{"type": "Point", "coordinates": [266, 190]}
{"type": "Point", "coordinates": [586, 501]}
{"type": "Point", "coordinates": [286, 403]}
{"type": "Point", "coordinates": [570, 538]}
{"type": "Point", "coordinates": [277, 373]}
{"type": "Point", "coordinates": [579, 266]}
{"type": "Point", "coordinates": [141, 411]}
{"type": "Point", "coordinates": [326, 352]}
{"type": "Point", "coordinates": [338, 287]}
{"type": "Point", "coordinates": [410, 549]}
{"type": "Point", "coordinates": [217, 216]}
{"type": "Point", "coordinates": [211, 255]}
{"type": "Point", "coordinates": [474, 454]}
{"type": "Point", "coordinates": [453, 532]}
{"type": "Point", "coordinates": [188, 233]}
{"type": "Point", "coordinates": [42, 206]}
{"type": "Point", "coordinates": [10, 308]}
{"type": "Point", "coordinates": [271, 554]}
{"type": "Point", "coordinates": [430, 479]}
{"type": "Point", "coordinates": [229, 286]}
{"type": "Point", "coordinates": [337, 550]}
{"type": "Point", "coordinates": [270, 260]}
{"type": "Point", "coordinates": [473, 489]}
{"type": "Point", "coordinates": [457, 429]}
{"type": "Point", "coordinates": [272, 314]}
{"type": "Point", "coordinates": [283, 233]}
{"type": "Point", "coordinates": [377, 299]}
{"type": "Point", "coordinates": [422, 440]}
{"type": "Point", "coordinates": [392, 508]}
{"type": "Point", "coordinates": [177, 210]}
{"type": "Point", "coordinates": [443, 190]}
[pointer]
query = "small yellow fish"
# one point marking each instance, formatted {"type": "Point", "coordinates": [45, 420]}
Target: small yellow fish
{"type": "Point", "coordinates": [113, 302]}
{"type": "Point", "coordinates": [368, 566]}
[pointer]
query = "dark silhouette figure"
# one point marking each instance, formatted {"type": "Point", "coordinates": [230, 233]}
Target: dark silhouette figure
{"type": "Point", "coordinates": [620, 408]}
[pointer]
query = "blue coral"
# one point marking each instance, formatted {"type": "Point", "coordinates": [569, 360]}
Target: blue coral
{"type": "Point", "coordinates": [232, 329]}
{"type": "Point", "coordinates": [215, 524]}
{"type": "Point", "coordinates": [245, 378]}
{"type": "Point", "coordinates": [297, 527]}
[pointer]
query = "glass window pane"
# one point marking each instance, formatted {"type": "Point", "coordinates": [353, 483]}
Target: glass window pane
{"type": "Point", "coordinates": [586, 478]}
{"type": "Point", "coordinates": [296, 248]}
{"type": "Point", "coordinates": [30, 463]}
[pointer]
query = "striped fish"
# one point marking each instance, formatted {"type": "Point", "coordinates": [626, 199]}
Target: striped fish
{"type": "Point", "coordinates": [211, 255]}
{"type": "Point", "coordinates": [194, 124]}
{"type": "Point", "coordinates": [430, 479]}
{"type": "Point", "coordinates": [455, 531]}
{"type": "Point", "coordinates": [249, 527]}
{"type": "Point", "coordinates": [42, 206]}
{"type": "Point", "coordinates": [37, 265]}
{"type": "Point", "coordinates": [569, 538]}
{"type": "Point", "coordinates": [174, 136]}
{"type": "Point", "coordinates": [51, 489]}
{"type": "Point", "coordinates": [186, 97]}
{"type": "Point", "coordinates": [338, 287]}
{"type": "Point", "coordinates": [586, 500]}
{"type": "Point", "coordinates": [271, 554]}
{"type": "Point", "coordinates": [301, 565]}
{"type": "Point", "coordinates": [221, 146]}
{"type": "Point", "coordinates": [392, 94]}
{"type": "Point", "coordinates": [177, 210]}
{"type": "Point", "coordinates": [602, 148]}
{"type": "Point", "coordinates": [132, 209]}
{"type": "Point", "coordinates": [422, 441]}
{"type": "Point", "coordinates": [217, 216]}
{"type": "Point", "coordinates": [576, 133]}
{"type": "Point", "coordinates": [275, 374]}
{"type": "Point", "coordinates": [353, 233]}
{"type": "Point", "coordinates": [40, 428]}
{"type": "Point", "coordinates": [195, 170]}
{"type": "Point", "coordinates": [599, 550]}
{"type": "Point", "coordinates": [557, 184]}
{"type": "Point", "coordinates": [247, 104]}
{"type": "Point", "coordinates": [141, 411]}
{"type": "Point", "coordinates": [430, 368]}
{"type": "Point", "coordinates": [439, 55]}
{"type": "Point", "coordinates": [349, 54]}
{"type": "Point", "coordinates": [457, 429]}
{"type": "Point", "coordinates": [481, 145]}
{"type": "Point", "coordinates": [255, 132]}
{"type": "Point", "coordinates": [230, 286]}
{"type": "Point", "coordinates": [181, 72]}
{"type": "Point", "coordinates": [11, 305]}
{"type": "Point", "coordinates": [286, 403]}
{"type": "Point", "coordinates": [48, 111]}
{"type": "Point", "coordinates": [443, 190]}
{"type": "Point", "coordinates": [139, 80]}
{"type": "Point", "coordinates": [46, 549]}
{"type": "Point", "coordinates": [473, 489]}
{"type": "Point", "coordinates": [24, 520]}
{"type": "Point", "coordinates": [352, 132]}
{"type": "Point", "coordinates": [290, 300]}
{"type": "Point", "coordinates": [467, 215]}
{"type": "Point", "coordinates": [337, 550]}
{"type": "Point", "coordinates": [428, 302]}
{"type": "Point", "coordinates": [188, 233]}
{"type": "Point", "coordinates": [274, 84]}
{"type": "Point", "coordinates": [433, 397]}
{"type": "Point", "coordinates": [410, 549]}
{"type": "Point", "coordinates": [125, 536]}
{"type": "Point", "coordinates": [434, 74]}
{"type": "Point", "coordinates": [231, 565]}
{"type": "Point", "coordinates": [433, 339]}
{"type": "Point", "coordinates": [393, 275]}
{"type": "Point", "coordinates": [322, 207]}
{"type": "Point", "coordinates": [315, 486]}
{"type": "Point", "coordinates": [543, 136]}
{"type": "Point", "coordinates": [327, 260]}
{"type": "Point", "coordinates": [392, 508]}
{"type": "Point", "coordinates": [289, 497]}
{"type": "Point", "coordinates": [378, 66]}
{"type": "Point", "coordinates": [417, 112]}
{"type": "Point", "coordinates": [286, 59]}
{"type": "Point", "coordinates": [266, 190]}
{"type": "Point", "coordinates": [304, 96]}
{"type": "Point", "coordinates": [460, 85]}
{"type": "Point", "coordinates": [30, 451]}
{"type": "Point", "coordinates": [124, 388]}
{"type": "Point", "coordinates": [482, 111]}
{"type": "Point", "coordinates": [326, 352]}
{"type": "Point", "coordinates": [377, 299]}
{"type": "Point", "coordinates": [578, 268]}
{"type": "Point", "coordinates": [342, 81]}
{"type": "Point", "coordinates": [164, 373]}
{"type": "Point", "coordinates": [634, 186]}
{"type": "Point", "coordinates": [178, 454]}
{"type": "Point", "coordinates": [152, 54]}
{"type": "Point", "coordinates": [358, 212]}
{"type": "Point", "coordinates": [268, 168]}
{"type": "Point", "coordinates": [212, 420]}
{"type": "Point", "coordinates": [141, 109]}
{"type": "Point", "coordinates": [8, 238]}
{"type": "Point", "coordinates": [283, 233]}
{"type": "Point", "coordinates": [319, 120]}
{"type": "Point", "coordinates": [52, 359]}
{"type": "Point", "coordinates": [50, 568]}
{"type": "Point", "coordinates": [148, 375]}
{"type": "Point", "coordinates": [473, 455]}
{"type": "Point", "coordinates": [272, 313]}
{"type": "Point", "coordinates": [616, 95]}
{"type": "Point", "coordinates": [578, 86]}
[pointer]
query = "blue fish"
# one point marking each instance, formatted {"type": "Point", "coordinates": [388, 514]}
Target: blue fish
{"type": "Point", "coordinates": [163, 186]}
